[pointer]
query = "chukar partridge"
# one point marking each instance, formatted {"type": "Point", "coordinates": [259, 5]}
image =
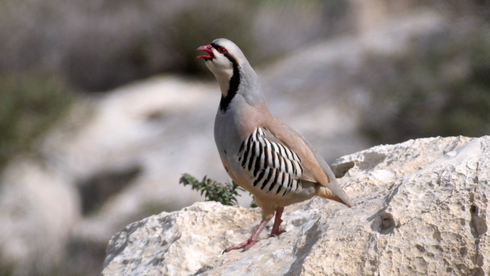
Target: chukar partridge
{"type": "Point", "coordinates": [259, 152]}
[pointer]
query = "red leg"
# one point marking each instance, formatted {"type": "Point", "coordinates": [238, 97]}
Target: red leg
{"type": "Point", "coordinates": [277, 222]}
{"type": "Point", "coordinates": [248, 243]}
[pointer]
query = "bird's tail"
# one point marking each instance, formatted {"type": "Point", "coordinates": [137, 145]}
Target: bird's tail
{"type": "Point", "coordinates": [335, 192]}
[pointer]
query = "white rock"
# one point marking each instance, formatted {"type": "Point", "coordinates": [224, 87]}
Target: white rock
{"type": "Point", "coordinates": [420, 209]}
{"type": "Point", "coordinates": [37, 212]}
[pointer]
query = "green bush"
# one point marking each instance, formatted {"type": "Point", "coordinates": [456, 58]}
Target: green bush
{"type": "Point", "coordinates": [212, 190]}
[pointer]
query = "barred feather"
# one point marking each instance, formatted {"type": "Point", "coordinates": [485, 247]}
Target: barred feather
{"type": "Point", "coordinates": [273, 166]}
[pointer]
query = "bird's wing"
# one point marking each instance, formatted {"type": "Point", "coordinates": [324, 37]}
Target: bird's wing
{"type": "Point", "coordinates": [315, 169]}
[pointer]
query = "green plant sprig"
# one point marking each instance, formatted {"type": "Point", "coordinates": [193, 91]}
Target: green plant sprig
{"type": "Point", "coordinates": [212, 190]}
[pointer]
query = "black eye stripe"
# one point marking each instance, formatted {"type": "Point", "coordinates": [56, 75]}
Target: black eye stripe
{"type": "Point", "coordinates": [227, 55]}
{"type": "Point", "coordinates": [215, 46]}
{"type": "Point", "coordinates": [234, 81]}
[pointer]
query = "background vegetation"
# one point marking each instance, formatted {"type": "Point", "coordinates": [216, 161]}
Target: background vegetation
{"type": "Point", "coordinates": [30, 105]}
{"type": "Point", "coordinates": [440, 87]}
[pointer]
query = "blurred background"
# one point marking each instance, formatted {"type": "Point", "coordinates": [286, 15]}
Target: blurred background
{"type": "Point", "coordinates": [103, 105]}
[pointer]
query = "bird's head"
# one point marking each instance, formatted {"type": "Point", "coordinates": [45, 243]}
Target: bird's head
{"type": "Point", "coordinates": [233, 72]}
{"type": "Point", "coordinates": [222, 58]}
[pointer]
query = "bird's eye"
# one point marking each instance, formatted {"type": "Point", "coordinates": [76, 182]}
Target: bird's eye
{"type": "Point", "coordinates": [222, 50]}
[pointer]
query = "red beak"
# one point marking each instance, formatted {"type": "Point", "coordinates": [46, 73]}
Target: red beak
{"type": "Point", "coordinates": [209, 50]}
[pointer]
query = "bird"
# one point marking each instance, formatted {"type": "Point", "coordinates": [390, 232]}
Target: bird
{"type": "Point", "coordinates": [259, 152]}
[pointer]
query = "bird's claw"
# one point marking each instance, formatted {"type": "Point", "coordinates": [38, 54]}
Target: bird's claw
{"type": "Point", "coordinates": [277, 234]}
{"type": "Point", "coordinates": [245, 245]}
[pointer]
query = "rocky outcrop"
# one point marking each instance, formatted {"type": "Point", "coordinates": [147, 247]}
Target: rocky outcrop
{"type": "Point", "coordinates": [421, 208]}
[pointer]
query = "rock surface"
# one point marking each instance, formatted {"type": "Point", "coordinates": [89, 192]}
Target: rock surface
{"type": "Point", "coordinates": [421, 208]}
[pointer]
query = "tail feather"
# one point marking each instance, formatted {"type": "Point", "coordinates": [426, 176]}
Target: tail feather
{"type": "Point", "coordinates": [335, 192]}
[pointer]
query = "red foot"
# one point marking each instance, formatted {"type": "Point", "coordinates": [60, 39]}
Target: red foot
{"type": "Point", "coordinates": [277, 234]}
{"type": "Point", "coordinates": [248, 243]}
{"type": "Point", "coordinates": [274, 233]}
{"type": "Point", "coordinates": [277, 222]}
{"type": "Point", "coordinates": [245, 245]}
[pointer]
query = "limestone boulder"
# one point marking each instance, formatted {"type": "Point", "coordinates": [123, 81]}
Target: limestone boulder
{"type": "Point", "coordinates": [421, 208]}
{"type": "Point", "coordinates": [34, 227]}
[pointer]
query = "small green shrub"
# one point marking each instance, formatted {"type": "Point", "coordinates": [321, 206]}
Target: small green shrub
{"type": "Point", "coordinates": [212, 190]}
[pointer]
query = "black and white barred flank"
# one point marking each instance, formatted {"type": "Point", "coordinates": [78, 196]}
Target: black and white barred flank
{"type": "Point", "coordinates": [270, 163]}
